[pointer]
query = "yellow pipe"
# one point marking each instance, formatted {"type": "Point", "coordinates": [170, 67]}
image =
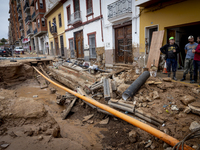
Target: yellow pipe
{"type": "Point", "coordinates": [157, 133]}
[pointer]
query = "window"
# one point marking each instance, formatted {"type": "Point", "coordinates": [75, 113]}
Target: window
{"type": "Point", "coordinates": [38, 22]}
{"type": "Point", "coordinates": [89, 7]}
{"type": "Point", "coordinates": [36, 5]}
{"type": "Point", "coordinates": [76, 5]}
{"type": "Point", "coordinates": [60, 20]}
{"type": "Point", "coordinates": [92, 46]}
{"type": "Point", "coordinates": [54, 20]}
{"type": "Point", "coordinates": [49, 25]}
{"type": "Point", "coordinates": [43, 22]}
{"type": "Point", "coordinates": [41, 3]}
{"type": "Point", "coordinates": [68, 13]}
{"type": "Point", "coordinates": [71, 46]}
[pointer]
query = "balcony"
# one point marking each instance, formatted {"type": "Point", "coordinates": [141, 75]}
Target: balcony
{"type": "Point", "coordinates": [120, 11]}
{"type": "Point", "coordinates": [29, 32]}
{"type": "Point", "coordinates": [19, 18]}
{"type": "Point", "coordinates": [28, 19]}
{"type": "Point", "coordinates": [89, 11]}
{"type": "Point", "coordinates": [26, 7]}
{"type": "Point", "coordinates": [21, 28]}
{"type": "Point", "coordinates": [33, 15]}
{"type": "Point", "coordinates": [53, 30]}
{"type": "Point", "coordinates": [32, 3]}
{"type": "Point", "coordinates": [75, 18]}
{"type": "Point", "coordinates": [35, 31]}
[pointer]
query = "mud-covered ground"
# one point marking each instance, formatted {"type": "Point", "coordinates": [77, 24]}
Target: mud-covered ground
{"type": "Point", "coordinates": [29, 123]}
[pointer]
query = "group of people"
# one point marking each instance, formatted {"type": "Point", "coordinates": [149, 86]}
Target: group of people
{"type": "Point", "coordinates": [192, 59]}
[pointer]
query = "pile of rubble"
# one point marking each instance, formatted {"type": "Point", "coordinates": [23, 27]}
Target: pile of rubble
{"type": "Point", "coordinates": [159, 102]}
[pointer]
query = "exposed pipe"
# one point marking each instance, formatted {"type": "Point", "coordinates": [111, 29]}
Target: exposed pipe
{"type": "Point", "coordinates": [157, 133]}
{"type": "Point", "coordinates": [135, 86]}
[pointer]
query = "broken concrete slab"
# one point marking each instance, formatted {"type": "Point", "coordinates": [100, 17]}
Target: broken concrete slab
{"type": "Point", "coordinates": [167, 79]}
{"type": "Point", "coordinates": [86, 118]}
{"type": "Point", "coordinates": [187, 99]}
{"type": "Point", "coordinates": [187, 110]}
{"type": "Point", "coordinates": [105, 121]}
{"type": "Point", "coordinates": [196, 90]}
{"type": "Point", "coordinates": [132, 136]}
{"type": "Point", "coordinates": [52, 90]}
{"type": "Point", "coordinates": [156, 95]}
{"type": "Point", "coordinates": [42, 82]}
{"type": "Point", "coordinates": [194, 126]}
{"type": "Point", "coordinates": [195, 107]}
{"type": "Point", "coordinates": [122, 88]}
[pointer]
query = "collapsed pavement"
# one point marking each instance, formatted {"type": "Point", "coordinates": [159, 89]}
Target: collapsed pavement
{"type": "Point", "coordinates": [175, 105]}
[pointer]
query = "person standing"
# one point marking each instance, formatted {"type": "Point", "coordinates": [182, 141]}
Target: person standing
{"type": "Point", "coordinates": [171, 50]}
{"type": "Point", "coordinates": [196, 61]}
{"type": "Point", "coordinates": [188, 66]}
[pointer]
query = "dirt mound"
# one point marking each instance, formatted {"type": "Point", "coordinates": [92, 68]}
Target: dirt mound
{"type": "Point", "coordinates": [27, 108]}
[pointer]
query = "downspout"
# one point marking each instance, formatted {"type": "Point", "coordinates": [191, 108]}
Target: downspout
{"type": "Point", "coordinates": [101, 21]}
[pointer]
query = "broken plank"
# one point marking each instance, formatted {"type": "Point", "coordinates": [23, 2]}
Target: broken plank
{"type": "Point", "coordinates": [156, 43]}
{"type": "Point", "coordinates": [67, 111]}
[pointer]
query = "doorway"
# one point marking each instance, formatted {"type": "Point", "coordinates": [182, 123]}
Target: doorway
{"type": "Point", "coordinates": [123, 44]}
{"type": "Point", "coordinates": [56, 45]}
{"type": "Point", "coordinates": [181, 34]}
{"type": "Point", "coordinates": [62, 46]}
{"type": "Point", "coordinates": [148, 36]}
{"type": "Point", "coordinates": [79, 44]}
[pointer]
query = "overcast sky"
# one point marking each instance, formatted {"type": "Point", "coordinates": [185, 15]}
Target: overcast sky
{"type": "Point", "coordinates": [4, 8]}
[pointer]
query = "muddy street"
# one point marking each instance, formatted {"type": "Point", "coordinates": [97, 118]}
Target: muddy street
{"type": "Point", "coordinates": [32, 110]}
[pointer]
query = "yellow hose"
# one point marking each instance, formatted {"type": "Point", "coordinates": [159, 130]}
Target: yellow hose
{"type": "Point", "coordinates": [157, 133]}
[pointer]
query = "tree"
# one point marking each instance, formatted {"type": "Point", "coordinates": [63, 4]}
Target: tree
{"type": "Point", "coordinates": [3, 41]}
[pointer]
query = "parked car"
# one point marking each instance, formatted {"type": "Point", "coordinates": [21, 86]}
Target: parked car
{"type": "Point", "coordinates": [9, 51]}
{"type": "Point", "coordinates": [19, 50]}
{"type": "Point", "coordinates": [3, 52]}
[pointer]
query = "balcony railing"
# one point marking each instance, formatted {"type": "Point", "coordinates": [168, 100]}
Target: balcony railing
{"type": "Point", "coordinates": [119, 7]}
{"type": "Point", "coordinates": [75, 18]}
{"type": "Point", "coordinates": [33, 15]}
{"type": "Point", "coordinates": [26, 6]}
{"type": "Point", "coordinates": [53, 30]}
{"type": "Point", "coordinates": [28, 18]}
{"type": "Point", "coordinates": [89, 11]}
{"type": "Point", "coordinates": [35, 31]}
{"type": "Point", "coordinates": [29, 32]}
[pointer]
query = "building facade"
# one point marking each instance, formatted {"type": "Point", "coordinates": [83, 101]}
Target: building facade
{"type": "Point", "coordinates": [177, 18]}
{"type": "Point", "coordinates": [91, 29]}
{"type": "Point", "coordinates": [39, 39]}
{"type": "Point", "coordinates": [56, 29]}
{"type": "Point", "coordinates": [28, 27]}
{"type": "Point", "coordinates": [121, 31]}
{"type": "Point", "coordinates": [14, 32]}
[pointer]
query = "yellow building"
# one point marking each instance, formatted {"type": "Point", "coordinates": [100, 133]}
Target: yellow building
{"type": "Point", "coordinates": [56, 30]}
{"type": "Point", "coordinates": [178, 18]}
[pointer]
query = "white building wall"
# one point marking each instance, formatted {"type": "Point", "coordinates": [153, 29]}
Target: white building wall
{"type": "Point", "coordinates": [94, 26]}
{"type": "Point", "coordinates": [108, 31]}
